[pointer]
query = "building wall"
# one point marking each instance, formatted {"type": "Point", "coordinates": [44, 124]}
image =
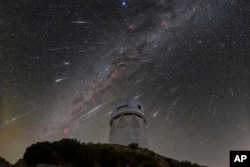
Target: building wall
{"type": "Point", "coordinates": [127, 129]}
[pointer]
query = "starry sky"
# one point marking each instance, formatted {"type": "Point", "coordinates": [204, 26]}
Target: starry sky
{"type": "Point", "coordinates": [64, 65]}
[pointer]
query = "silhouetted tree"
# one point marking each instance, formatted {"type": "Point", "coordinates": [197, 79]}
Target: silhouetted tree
{"type": "Point", "coordinates": [134, 145]}
{"type": "Point", "coordinates": [71, 151]}
{"type": "Point", "coordinates": [41, 152]}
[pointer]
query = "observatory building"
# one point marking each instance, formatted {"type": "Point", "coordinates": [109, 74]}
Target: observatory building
{"type": "Point", "coordinates": [127, 124]}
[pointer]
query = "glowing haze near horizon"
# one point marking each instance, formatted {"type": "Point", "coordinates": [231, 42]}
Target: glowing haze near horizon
{"type": "Point", "coordinates": [64, 65]}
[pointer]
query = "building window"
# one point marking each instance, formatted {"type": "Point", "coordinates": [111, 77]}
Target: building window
{"type": "Point", "coordinates": [139, 106]}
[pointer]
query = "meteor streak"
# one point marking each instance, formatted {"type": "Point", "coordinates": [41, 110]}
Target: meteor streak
{"type": "Point", "coordinates": [60, 79]}
{"type": "Point", "coordinates": [136, 97]}
{"type": "Point", "coordinates": [16, 118]}
{"type": "Point", "coordinates": [92, 110]}
{"type": "Point", "coordinates": [80, 22]}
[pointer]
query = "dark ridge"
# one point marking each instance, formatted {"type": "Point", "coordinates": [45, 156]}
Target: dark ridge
{"type": "Point", "coordinates": [70, 152]}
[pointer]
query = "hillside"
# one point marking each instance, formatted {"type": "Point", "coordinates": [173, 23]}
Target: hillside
{"type": "Point", "coordinates": [4, 163]}
{"type": "Point", "coordinates": [71, 153]}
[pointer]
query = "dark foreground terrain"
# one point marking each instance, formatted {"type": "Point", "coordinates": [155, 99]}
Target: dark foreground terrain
{"type": "Point", "coordinates": [72, 153]}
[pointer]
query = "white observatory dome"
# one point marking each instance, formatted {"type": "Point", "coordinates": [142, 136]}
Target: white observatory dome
{"type": "Point", "coordinates": [127, 124]}
{"type": "Point", "coordinates": [128, 106]}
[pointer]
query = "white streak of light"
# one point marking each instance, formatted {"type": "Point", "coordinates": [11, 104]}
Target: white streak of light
{"type": "Point", "coordinates": [151, 79]}
{"type": "Point", "coordinates": [60, 79]}
{"type": "Point", "coordinates": [158, 88]}
{"type": "Point", "coordinates": [66, 63]}
{"type": "Point", "coordinates": [140, 80]}
{"type": "Point", "coordinates": [214, 111]}
{"type": "Point", "coordinates": [211, 100]}
{"type": "Point", "coordinates": [173, 104]}
{"type": "Point", "coordinates": [145, 61]}
{"type": "Point", "coordinates": [156, 113]}
{"type": "Point", "coordinates": [119, 64]}
{"type": "Point", "coordinates": [81, 51]}
{"type": "Point", "coordinates": [91, 111]}
{"type": "Point", "coordinates": [172, 90]}
{"type": "Point", "coordinates": [232, 92]}
{"type": "Point", "coordinates": [136, 97]}
{"type": "Point", "coordinates": [16, 118]}
{"type": "Point", "coordinates": [80, 22]}
{"type": "Point", "coordinates": [109, 113]}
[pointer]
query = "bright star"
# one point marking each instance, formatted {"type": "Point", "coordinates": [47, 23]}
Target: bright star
{"type": "Point", "coordinates": [124, 3]}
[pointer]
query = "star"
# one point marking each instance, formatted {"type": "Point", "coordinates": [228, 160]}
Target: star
{"type": "Point", "coordinates": [66, 64]}
{"type": "Point", "coordinates": [124, 3]}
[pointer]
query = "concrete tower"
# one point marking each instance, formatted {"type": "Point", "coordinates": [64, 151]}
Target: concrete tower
{"type": "Point", "coordinates": [127, 124]}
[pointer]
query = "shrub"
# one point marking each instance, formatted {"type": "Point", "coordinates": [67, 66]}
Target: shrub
{"type": "Point", "coordinates": [134, 145]}
{"type": "Point", "coordinates": [41, 152]}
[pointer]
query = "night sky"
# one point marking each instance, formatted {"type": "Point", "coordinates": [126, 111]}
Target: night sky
{"type": "Point", "coordinates": [64, 65]}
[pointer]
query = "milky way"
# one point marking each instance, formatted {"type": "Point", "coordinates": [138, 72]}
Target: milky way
{"type": "Point", "coordinates": [64, 65]}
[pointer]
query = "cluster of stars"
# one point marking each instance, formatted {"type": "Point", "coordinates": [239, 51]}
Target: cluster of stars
{"type": "Point", "coordinates": [67, 64]}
